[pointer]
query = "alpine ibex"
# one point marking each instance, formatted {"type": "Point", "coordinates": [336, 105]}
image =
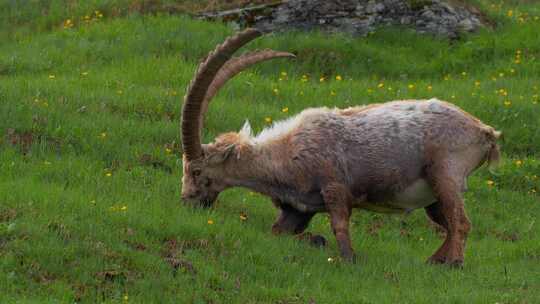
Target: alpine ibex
{"type": "Point", "coordinates": [391, 157]}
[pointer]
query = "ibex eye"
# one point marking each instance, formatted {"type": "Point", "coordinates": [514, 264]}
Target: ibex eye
{"type": "Point", "coordinates": [196, 172]}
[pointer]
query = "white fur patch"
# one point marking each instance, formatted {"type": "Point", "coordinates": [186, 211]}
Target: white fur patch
{"type": "Point", "coordinates": [246, 133]}
{"type": "Point", "coordinates": [278, 129]}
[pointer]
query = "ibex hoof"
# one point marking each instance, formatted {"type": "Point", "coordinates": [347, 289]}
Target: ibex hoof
{"type": "Point", "coordinates": [448, 261]}
{"type": "Point", "coordinates": [350, 258]}
{"type": "Point", "coordinates": [317, 241]}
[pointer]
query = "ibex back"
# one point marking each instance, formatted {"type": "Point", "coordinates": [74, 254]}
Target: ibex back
{"type": "Point", "coordinates": [391, 157]}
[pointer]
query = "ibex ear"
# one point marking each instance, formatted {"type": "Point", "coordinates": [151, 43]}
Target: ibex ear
{"type": "Point", "coordinates": [219, 157]}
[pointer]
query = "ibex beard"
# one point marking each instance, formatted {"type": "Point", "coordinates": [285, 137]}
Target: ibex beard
{"type": "Point", "coordinates": [392, 157]}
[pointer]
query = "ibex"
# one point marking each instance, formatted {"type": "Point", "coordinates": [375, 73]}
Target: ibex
{"type": "Point", "coordinates": [391, 157]}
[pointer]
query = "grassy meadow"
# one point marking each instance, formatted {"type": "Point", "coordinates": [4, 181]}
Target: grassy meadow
{"type": "Point", "coordinates": [90, 161]}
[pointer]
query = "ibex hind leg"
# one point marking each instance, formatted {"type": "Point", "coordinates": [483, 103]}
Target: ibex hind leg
{"type": "Point", "coordinates": [292, 221]}
{"type": "Point", "coordinates": [449, 212]}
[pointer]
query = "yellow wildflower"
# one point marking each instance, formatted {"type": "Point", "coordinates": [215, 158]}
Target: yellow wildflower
{"type": "Point", "coordinates": [510, 13]}
{"type": "Point", "coordinates": [52, 76]}
{"type": "Point", "coordinates": [276, 91]}
{"type": "Point", "coordinates": [429, 88]}
{"type": "Point", "coordinates": [322, 79]}
{"type": "Point", "coordinates": [507, 103]}
{"type": "Point", "coordinates": [518, 162]}
{"type": "Point", "coordinates": [411, 86]}
{"type": "Point", "coordinates": [210, 222]}
{"type": "Point", "coordinates": [490, 182]}
{"type": "Point", "coordinates": [108, 174]}
{"type": "Point", "coordinates": [338, 77]}
{"type": "Point", "coordinates": [268, 119]}
{"type": "Point", "coordinates": [284, 74]}
{"type": "Point", "coordinates": [477, 83]}
{"type": "Point", "coordinates": [380, 85]}
{"type": "Point", "coordinates": [103, 135]}
{"type": "Point", "coordinates": [285, 110]}
{"type": "Point", "coordinates": [123, 208]}
{"type": "Point", "coordinates": [68, 23]}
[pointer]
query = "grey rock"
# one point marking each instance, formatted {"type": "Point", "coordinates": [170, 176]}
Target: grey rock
{"type": "Point", "coordinates": [360, 17]}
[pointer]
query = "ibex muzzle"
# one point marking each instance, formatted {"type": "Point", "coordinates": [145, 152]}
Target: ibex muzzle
{"type": "Point", "coordinates": [391, 157]}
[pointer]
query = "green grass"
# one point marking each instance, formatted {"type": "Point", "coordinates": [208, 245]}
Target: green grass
{"type": "Point", "coordinates": [90, 165]}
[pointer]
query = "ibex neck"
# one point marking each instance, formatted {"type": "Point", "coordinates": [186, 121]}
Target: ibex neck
{"type": "Point", "coordinates": [266, 171]}
{"type": "Point", "coordinates": [255, 168]}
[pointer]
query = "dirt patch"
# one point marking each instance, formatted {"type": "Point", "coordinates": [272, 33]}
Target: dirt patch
{"type": "Point", "coordinates": [111, 275]}
{"type": "Point", "coordinates": [149, 160]}
{"type": "Point", "coordinates": [182, 265]}
{"type": "Point", "coordinates": [60, 229]}
{"type": "Point", "coordinates": [21, 139]}
{"type": "Point", "coordinates": [25, 139]}
{"type": "Point", "coordinates": [173, 250]}
{"type": "Point", "coordinates": [173, 246]}
{"type": "Point", "coordinates": [507, 236]}
{"type": "Point", "coordinates": [136, 246]}
{"type": "Point", "coordinates": [8, 215]}
{"type": "Point", "coordinates": [375, 226]}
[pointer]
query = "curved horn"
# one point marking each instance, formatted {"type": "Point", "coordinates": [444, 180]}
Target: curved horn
{"type": "Point", "coordinates": [197, 90]}
{"type": "Point", "coordinates": [236, 65]}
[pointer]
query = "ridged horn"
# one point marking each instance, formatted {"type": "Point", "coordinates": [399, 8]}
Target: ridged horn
{"type": "Point", "coordinates": [198, 88]}
{"type": "Point", "coordinates": [236, 65]}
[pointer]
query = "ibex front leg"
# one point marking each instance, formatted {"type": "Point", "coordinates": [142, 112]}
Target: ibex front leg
{"type": "Point", "coordinates": [292, 221]}
{"type": "Point", "coordinates": [338, 201]}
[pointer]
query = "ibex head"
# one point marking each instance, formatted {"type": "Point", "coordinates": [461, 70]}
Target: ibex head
{"type": "Point", "coordinates": [205, 165]}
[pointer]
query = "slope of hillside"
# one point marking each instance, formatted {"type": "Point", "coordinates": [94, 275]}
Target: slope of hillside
{"type": "Point", "coordinates": [90, 162]}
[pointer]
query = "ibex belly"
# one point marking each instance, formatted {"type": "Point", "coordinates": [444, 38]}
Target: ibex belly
{"type": "Point", "coordinates": [417, 195]}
